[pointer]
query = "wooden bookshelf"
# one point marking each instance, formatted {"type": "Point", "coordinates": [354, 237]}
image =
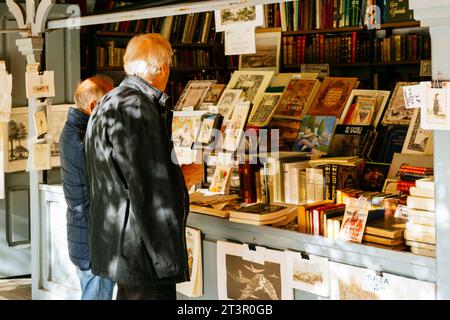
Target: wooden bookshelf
{"type": "Point", "coordinates": [320, 31]}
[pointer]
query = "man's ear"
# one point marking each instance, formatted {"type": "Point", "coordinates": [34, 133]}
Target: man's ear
{"type": "Point", "coordinates": [165, 70]}
{"type": "Point", "coordinates": [92, 106]}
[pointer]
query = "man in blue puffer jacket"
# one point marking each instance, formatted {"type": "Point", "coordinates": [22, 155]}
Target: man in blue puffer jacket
{"type": "Point", "coordinates": [71, 147]}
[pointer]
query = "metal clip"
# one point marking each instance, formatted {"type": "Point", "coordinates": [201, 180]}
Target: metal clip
{"type": "Point", "coordinates": [252, 246]}
{"type": "Point", "coordinates": [437, 82]}
{"type": "Point", "coordinates": [304, 255]}
{"type": "Point", "coordinates": [379, 272]}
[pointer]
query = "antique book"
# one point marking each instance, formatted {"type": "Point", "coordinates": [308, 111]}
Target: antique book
{"type": "Point", "coordinates": [421, 203]}
{"type": "Point", "coordinates": [297, 98]}
{"type": "Point", "coordinates": [262, 212]}
{"type": "Point", "coordinates": [426, 183]}
{"type": "Point", "coordinates": [398, 11]}
{"type": "Point", "coordinates": [423, 237]}
{"type": "Point", "coordinates": [418, 141]}
{"type": "Point", "coordinates": [423, 252]}
{"type": "Point", "coordinates": [384, 241]}
{"type": "Point", "coordinates": [349, 140]}
{"type": "Point", "coordinates": [315, 134]}
{"type": "Point", "coordinates": [262, 113]}
{"type": "Point", "coordinates": [303, 212]}
{"type": "Point", "coordinates": [421, 192]}
{"type": "Point", "coordinates": [396, 112]}
{"type": "Point", "coordinates": [411, 226]}
{"type": "Point", "coordinates": [287, 130]}
{"type": "Point", "coordinates": [332, 95]}
{"type": "Point", "coordinates": [390, 227]}
{"type": "Point", "coordinates": [421, 245]}
{"type": "Point", "coordinates": [194, 93]}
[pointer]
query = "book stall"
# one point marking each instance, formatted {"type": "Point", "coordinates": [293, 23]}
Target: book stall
{"type": "Point", "coordinates": [313, 148]}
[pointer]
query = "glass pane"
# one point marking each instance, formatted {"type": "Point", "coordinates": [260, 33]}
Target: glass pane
{"type": "Point", "coordinates": [19, 218]}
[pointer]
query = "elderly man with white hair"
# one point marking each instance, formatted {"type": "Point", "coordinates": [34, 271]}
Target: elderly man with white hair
{"type": "Point", "coordinates": [139, 201]}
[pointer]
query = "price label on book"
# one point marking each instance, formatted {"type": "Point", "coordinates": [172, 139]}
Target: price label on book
{"type": "Point", "coordinates": [401, 211]}
{"type": "Point", "coordinates": [415, 96]}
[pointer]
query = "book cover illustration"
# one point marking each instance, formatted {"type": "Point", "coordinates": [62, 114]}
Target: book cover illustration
{"type": "Point", "coordinates": [354, 283]}
{"type": "Point", "coordinates": [308, 273]}
{"type": "Point", "coordinates": [262, 114]}
{"type": "Point", "coordinates": [227, 102]}
{"type": "Point", "coordinates": [245, 274]}
{"type": "Point", "coordinates": [315, 134]}
{"type": "Point", "coordinates": [396, 112]}
{"type": "Point", "coordinates": [234, 129]}
{"type": "Point", "coordinates": [332, 96]}
{"type": "Point", "coordinates": [355, 219]}
{"type": "Point", "coordinates": [221, 179]}
{"type": "Point", "coordinates": [418, 140]}
{"type": "Point", "coordinates": [185, 126]}
{"type": "Point", "coordinates": [297, 98]}
{"type": "Point", "coordinates": [194, 93]}
{"type": "Point", "coordinates": [364, 111]}
{"type": "Point", "coordinates": [287, 132]}
{"type": "Point", "coordinates": [374, 176]}
{"type": "Point", "coordinates": [349, 140]}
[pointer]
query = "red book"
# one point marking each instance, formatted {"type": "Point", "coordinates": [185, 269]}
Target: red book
{"type": "Point", "coordinates": [303, 49]}
{"type": "Point", "coordinates": [321, 48]}
{"type": "Point", "coordinates": [298, 49]}
{"type": "Point", "coordinates": [414, 47]}
{"type": "Point", "coordinates": [353, 56]}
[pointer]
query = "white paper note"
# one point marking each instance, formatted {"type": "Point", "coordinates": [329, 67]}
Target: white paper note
{"type": "Point", "coordinates": [240, 41]}
{"type": "Point", "coordinates": [5, 93]}
{"type": "Point", "coordinates": [41, 156]}
{"type": "Point", "coordinates": [415, 96]}
{"type": "Point", "coordinates": [40, 85]}
{"type": "Point", "coordinates": [239, 18]}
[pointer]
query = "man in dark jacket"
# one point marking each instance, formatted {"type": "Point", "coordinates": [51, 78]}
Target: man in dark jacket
{"type": "Point", "coordinates": [139, 202]}
{"type": "Point", "coordinates": [71, 146]}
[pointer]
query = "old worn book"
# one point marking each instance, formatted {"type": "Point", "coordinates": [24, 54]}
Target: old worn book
{"type": "Point", "coordinates": [421, 245]}
{"type": "Point", "coordinates": [332, 95]}
{"type": "Point", "coordinates": [343, 161]}
{"type": "Point", "coordinates": [414, 227]}
{"type": "Point", "coordinates": [389, 227]}
{"type": "Point", "coordinates": [400, 247]}
{"type": "Point", "coordinates": [303, 210]}
{"type": "Point", "coordinates": [421, 203]}
{"type": "Point", "coordinates": [262, 212]}
{"type": "Point", "coordinates": [297, 98]}
{"type": "Point", "coordinates": [384, 241]}
{"type": "Point", "coordinates": [421, 213]}
{"type": "Point", "coordinates": [423, 252]}
{"type": "Point", "coordinates": [257, 222]}
{"type": "Point", "coordinates": [422, 220]}
{"type": "Point", "coordinates": [429, 238]}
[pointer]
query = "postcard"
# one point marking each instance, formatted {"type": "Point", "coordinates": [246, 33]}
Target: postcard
{"type": "Point", "coordinates": [40, 156]}
{"type": "Point", "coordinates": [234, 129]}
{"type": "Point", "coordinates": [193, 94]}
{"type": "Point", "coordinates": [435, 113]}
{"type": "Point", "coordinates": [227, 102]}
{"type": "Point", "coordinates": [5, 93]}
{"type": "Point", "coordinates": [240, 42]}
{"type": "Point", "coordinates": [315, 134]}
{"type": "Point", "coordinates": [213, 96]}
{"type": "Point", "coordinates": [40, 85]}
{"type": "Point", "coordinates": [56, 117]}
{"type": "Point", "coordinates": [239, 18]}
{"type": "Point", "coordinates": [15, 140]}
{"type": "Point", "coordinates": [246, 274]}
{"type": "Point", "coordinates": [40, 123]}
{"type": "Point", "coordinates": [221, 180]}
{"type": "Point", "coordinates": [267, 55]}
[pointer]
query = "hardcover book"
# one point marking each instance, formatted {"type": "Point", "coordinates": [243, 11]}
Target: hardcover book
{"type": "Point", "coordinates": [374, 175]}
{"type": "Point", "coordinates": [315, 134]}
{"type": "Point", "coordinates": [297, 98]}
{"type": "Point", "coordinates": [287, 131]}
{"type": "Point", "coordinates": [349, 140]}
{"type": "Point", "coordinates": [332, 96]}
{"type": "Point", "coordinates": [398, 11]}
{"type": "Point", "coordinates": [396, 112]}
{"type": "Point", "coordinates": [194, 93]}
{"type": "Point", "coordinates": [262, 113]}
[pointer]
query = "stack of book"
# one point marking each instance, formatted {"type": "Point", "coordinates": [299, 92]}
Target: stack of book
{"type": "Point", "coordinates": [385, 233]}
{"type": "Point", "coordinates": [409, 175]}
{"type": "Point", "coordinates": [276, 214]}
{"type": "Point", "coordinates": [420, 229]}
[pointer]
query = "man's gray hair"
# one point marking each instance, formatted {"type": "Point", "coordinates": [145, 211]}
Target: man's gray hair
{"type": "Point", "coordinates": [146, 54]}
{"type": "Point", "coordinates": [92, 89]}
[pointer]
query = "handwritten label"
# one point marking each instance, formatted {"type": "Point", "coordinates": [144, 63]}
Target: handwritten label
{"type": "Point", "coordinates": [375, 283]}
{"type": "Point", "coordinates": [401, 211]}
{"type": "Point", "coordinates": [414, 96]}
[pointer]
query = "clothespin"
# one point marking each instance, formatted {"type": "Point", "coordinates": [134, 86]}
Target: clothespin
{"type": "Point", "coordinates": [304, 255]}
{"type": "Point", "coordinates": [379, 272]}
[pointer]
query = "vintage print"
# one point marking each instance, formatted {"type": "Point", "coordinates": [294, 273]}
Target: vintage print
{"type": "Point", "coordinates": [17, 140]}
{"type": "Point", "coordinates": [40, 123]}
{"type": "Point", "coordinates": [297, 98]}
{"type": "Point", "coordinates": [207, 134]}
{"type": "Point", "coordinates": [396, 112]}
{"type": "Point", "coordinates": [355, 283]}
{"type": "Point", "coordinates": [364, 111]}
{"type": "Point", "coordinates": [418, 140]}
{"type": "Point", "coordinates": [185, 126]}
{"type": "Point", "coordinates": [262, 114]}
{"type": "Point", "coordinates": [436, 106]}
{"type": "Point", "coordinates": [213, 96]}
{"type": "Point", "coordinates": [234, 129]}
{"type": "Point", "coordinates": [5, 93]}
{"type": "Point", "coordinates": [40, 85]}
{"type": "Point", "coordinates": [355, 219]}
{"type": "Point", "coordinates": [315, 134]}
{"type": "Point", "coordinates": [236, 18]}
{"type": "Point", "coordinates": [244, 274]}
{"type": "Point", "coordinates": [41, 156]}
{"type": "Point", "coordinates": [227, 102]}
{"type": "Point", "coordinates": [267, 56]}
{"type": "Point", "coordinates": [310, 274]}
{"type": "Point", "coordinates": [252, 83]}
{"type": "Point", "coordinates": [56, 118]}
{"type": "Point", "coordinates": [221, 179]}
{"type": "Point", "coordinates": [287, 132]}
{"type": "Point", "coordinates": [366, 98]}
{"type": "Point", "coordinates": [194, 93]}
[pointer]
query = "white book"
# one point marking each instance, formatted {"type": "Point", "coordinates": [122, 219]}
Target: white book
{"type": "Point", "coordinates": [421, 245]}
{"type": "Point", "coordinates": [283, 16]}
{"type": "Point", "coordinates": [291, 181]}
{"type": "Point", "coordinates": [319, 182]}
{"type": "Point", "coordinates": [421, 213]}
{"type": "Point", "coordinates": [310, 194]}
{"type": "Point", "coordinates": [423, 252]}
{"type": "Point", "coordinates": [420, 228]}
{"type": "Point", "coordinates": [421, 192]}
{"type": "Point", "coordinates": [422, 220]}
{"type": "Point", "coordinates": [429, 238]}
{"type": "Point", "coordinates": [420, 203]}
{"type": "Point", "coordinates": [302, 187]}
{"type": "Point", "coordinates": [426, 183]}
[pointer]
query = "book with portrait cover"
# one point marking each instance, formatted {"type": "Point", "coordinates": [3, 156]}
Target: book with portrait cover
{"type": "Point", "coordinates": [297, 98]}
{"type": "Point", "coordinates": [332, 96]}
{"type": "Point", "coordinates": [349, 140]}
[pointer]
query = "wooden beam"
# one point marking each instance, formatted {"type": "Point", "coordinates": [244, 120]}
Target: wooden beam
{"type": "Point", "coordinates": [155, 12]}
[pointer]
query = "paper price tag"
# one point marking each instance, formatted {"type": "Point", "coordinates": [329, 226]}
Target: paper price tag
{"type": "Point", "coordinates": [401, 211]}
{"type": "Point", "coordinates": [375, 283]}
{"type": "Point", "coordinates": [415, 96]}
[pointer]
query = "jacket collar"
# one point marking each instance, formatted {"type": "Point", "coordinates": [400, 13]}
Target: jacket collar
{"type": "Point", "coordinates": [77, 118]}
{"type": "Point", "coordinates": [140, 84]}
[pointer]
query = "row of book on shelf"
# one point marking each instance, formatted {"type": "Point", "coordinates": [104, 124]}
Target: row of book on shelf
{"type": "Point", "coordinates": [355, 47]}
{"type": "Point", "coordinates": [328, 148]}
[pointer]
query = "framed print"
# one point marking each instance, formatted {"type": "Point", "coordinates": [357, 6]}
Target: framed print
{"type": "Point", "coordinates": [246, 274]}
{"type": "Point", "coordinates": [227, 102]}
{"type": "Point", "coordinates": [396, 112]}
{"type": "Point", "coordinates": [194, 287]}
{"type": "Point", "coordinates": [262, 113]}
{"type": "Point", "coordinates": [237, 18]}
{"type": "Point", "coordinates": [56, 118]}
{"type": "Point", "coordinates": [364, 107]}
{"type": "Point", "coordinates": [15, 140]}
{"type": "Point", "coordinates": [267, 56]}
{"type": "Point", "coordinates": [418, 140]}
{"type": "Point", "coordinates": [209, 127]}
{"type": "Point", "coordinates": [193, 94]}
{"type": "Point", "coordinates": [355, 283]}
{"type": "Point", "coordinates": [234, 129]}
{"type": "Point", "coordinates": [221, 180]}
{"type": "Point", "coordinates": [252, 83]}
{"type": "Point", "coordinates": [435, 113]}
{"type": "Point", "coordinates": [213, 96]}
{"type": "Point", "coordinates": [310, 273]}
{"type": "Point", "coordinates": [185, 126]}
